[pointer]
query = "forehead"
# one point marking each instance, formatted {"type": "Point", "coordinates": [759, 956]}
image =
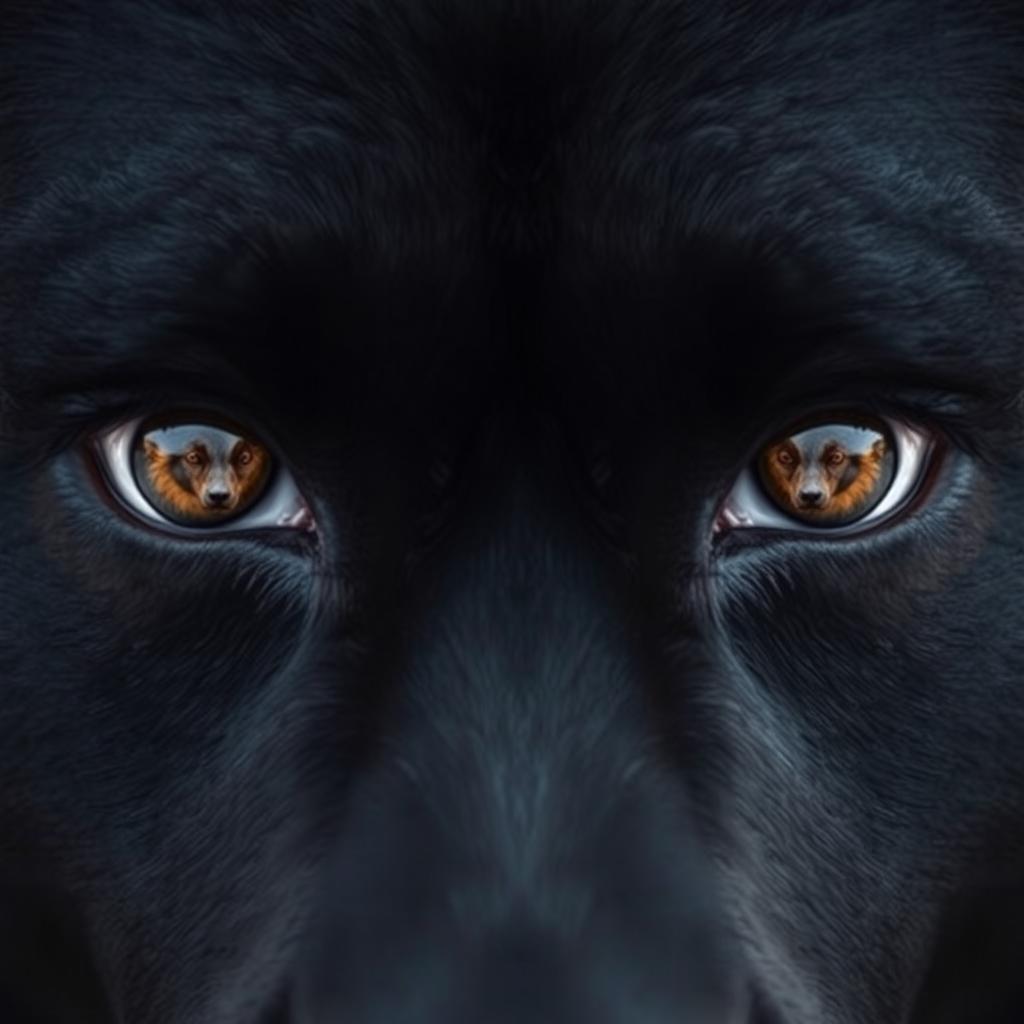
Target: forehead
{"type": "Point", "coordinates": [853, 439]}
{"type": "Point", "coordinates": [182, 438]}
{"type": "Point", "coordinates": [744, 190]}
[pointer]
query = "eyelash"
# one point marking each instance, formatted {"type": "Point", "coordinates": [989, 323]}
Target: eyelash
{"type": "Point", "coordinates": [280, 507]}
{"type": "Point", "coordinates": [748, 506]}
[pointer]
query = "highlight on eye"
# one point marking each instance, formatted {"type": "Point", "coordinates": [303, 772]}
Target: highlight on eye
{"type": "Point", "coordinates": [830, 474]}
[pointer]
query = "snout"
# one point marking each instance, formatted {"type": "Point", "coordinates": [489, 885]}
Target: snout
{"type": "Point", "coordinates": [526, 858]}
{"type": "Point", "coordinates": [812, 498]}
{"type": "Point", "coordinates": [220, 499]}
{"type": "Point", "coordinates": [420, 925]}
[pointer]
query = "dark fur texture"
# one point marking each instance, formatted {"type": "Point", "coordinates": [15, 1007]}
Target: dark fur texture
{"type": "Point", "coordinates": [516, 290]}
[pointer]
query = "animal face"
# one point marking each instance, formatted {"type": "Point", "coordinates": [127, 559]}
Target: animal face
{"type": "Point", "coordinates": [516, 677]}
{"type": "Point", "coordinates": [201, 474]}
{"type": "Point", "coordinates": [828, 474]}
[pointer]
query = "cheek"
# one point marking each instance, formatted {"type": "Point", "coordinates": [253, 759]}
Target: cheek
{"type": "Point", "coordinates": [831, 476]}
{"type": "Point", "coordinates": [100, 554]}
{"type": "Point", "coordinates": [250, 476]}
{"type": "Point", "coordinates": [197, 476]}
{"type": "Point", "coordinates": [179, 470]}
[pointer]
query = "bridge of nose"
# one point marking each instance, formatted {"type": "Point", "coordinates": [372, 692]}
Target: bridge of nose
{"type": "Point", "coordinates": [520, 851]}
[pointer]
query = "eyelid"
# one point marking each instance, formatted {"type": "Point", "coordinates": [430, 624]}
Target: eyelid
{"type": "Point", "coordinates": [280, 507]}
{"type": "Point", "coordinates": [747, 506]}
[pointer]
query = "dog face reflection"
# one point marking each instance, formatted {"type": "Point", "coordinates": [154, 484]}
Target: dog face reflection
{"type": "Point", "coordinates": [197, 473]}
{"type": "Point", "coordinates": [829, 474]}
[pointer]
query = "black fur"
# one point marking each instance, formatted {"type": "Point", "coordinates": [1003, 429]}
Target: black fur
{"type": "Point", "coordinates": [516, 290]}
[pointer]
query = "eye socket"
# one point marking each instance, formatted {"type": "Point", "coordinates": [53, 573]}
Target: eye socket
{"type": "Point", "coordinates": [192, 473]}
{"type": "Point", "coordinates": [836, 475]}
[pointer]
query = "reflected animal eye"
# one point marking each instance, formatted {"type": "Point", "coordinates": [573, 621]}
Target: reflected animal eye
{"type": "Point", "coordinates": [837, 474]}
{"type": "Point", "coordinates": [193, 473]}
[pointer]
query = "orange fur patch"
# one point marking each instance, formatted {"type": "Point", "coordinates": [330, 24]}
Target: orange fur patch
{"type": "Point", "coordinates": [168, 488]}
{"type": "Point", "coordinates": [869, 468]}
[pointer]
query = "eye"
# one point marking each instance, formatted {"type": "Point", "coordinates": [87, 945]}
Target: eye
{"type": "Point", "coordinates": [196, 474]}
{"type": "Point", "coordinates": [835, 475]}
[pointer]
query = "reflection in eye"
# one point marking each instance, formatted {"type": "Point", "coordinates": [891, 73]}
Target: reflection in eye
{"type": "Point", "coordinates": [828, 475]}
{"type": "Point", "coordinates": [191, 474]}
{"type": "Point", "coordinates": [838, 475]}
{"type": "Point", "coordinates": [197, 474]}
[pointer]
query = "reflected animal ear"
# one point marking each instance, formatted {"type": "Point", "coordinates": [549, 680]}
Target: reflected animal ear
{"type": "Point", "coordinates": [878, 448]}
{"type": "Point", "coordinates": [151, 448]}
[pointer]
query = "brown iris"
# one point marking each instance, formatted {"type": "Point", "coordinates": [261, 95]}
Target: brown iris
{"type": "Point", "coordinates": [829, 474]}
{"type": "Point", "coordinates": [198, 473]}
